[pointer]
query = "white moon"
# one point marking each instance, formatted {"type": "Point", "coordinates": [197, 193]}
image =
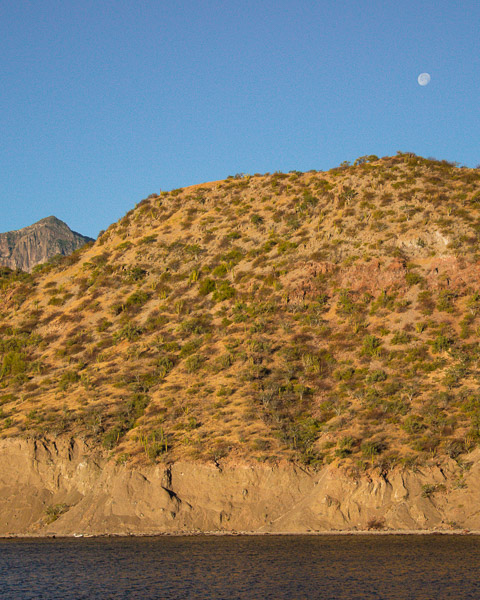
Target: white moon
{"type": "Point", "coordinates": [423, 79]}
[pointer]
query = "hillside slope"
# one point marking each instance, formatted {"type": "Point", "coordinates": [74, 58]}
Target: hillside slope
{"type": "Point", "coordinates": [321, 317]}
{"type": "Point", "coordinates": [27, 247]}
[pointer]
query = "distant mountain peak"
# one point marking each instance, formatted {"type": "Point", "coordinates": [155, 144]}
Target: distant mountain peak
{"type": "Point", "coordinates": [51, 219]}
{"type": "Point", "coordinates": [27, 247]}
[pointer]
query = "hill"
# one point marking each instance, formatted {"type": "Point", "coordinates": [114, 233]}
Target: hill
{"type": "Point", "coordinates": [321, 317]}
{"type": "Point", "coordinates": [25, 248]}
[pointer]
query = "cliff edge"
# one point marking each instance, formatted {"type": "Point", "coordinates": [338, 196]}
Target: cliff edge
{"type": "Point", "coordinates": [63, 487]}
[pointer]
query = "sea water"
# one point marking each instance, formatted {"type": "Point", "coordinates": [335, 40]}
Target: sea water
{"type": "Point", "coordinates": [420, 567]}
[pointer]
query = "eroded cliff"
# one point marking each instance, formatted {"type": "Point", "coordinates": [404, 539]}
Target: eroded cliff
{"type": "Point", "coordinates": [63, 487]}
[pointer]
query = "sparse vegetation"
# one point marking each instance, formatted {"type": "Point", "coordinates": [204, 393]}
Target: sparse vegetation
{"type": "Point", "coordinates": [315, 317]}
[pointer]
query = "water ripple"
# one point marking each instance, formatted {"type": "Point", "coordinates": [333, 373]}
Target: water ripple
{"type": "Point", "coordinates": [430, 567]}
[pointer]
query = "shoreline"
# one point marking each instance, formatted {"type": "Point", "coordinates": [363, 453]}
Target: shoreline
{"type": "Point", "coordinates": [364, 532]}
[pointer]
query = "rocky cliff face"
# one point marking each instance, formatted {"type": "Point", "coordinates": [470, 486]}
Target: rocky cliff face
{"type": "Point", "coordinates": [62, 487]}
{"type": "Point", "coordinates": [35, 244]}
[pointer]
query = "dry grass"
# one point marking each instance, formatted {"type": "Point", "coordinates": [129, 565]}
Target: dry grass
{"type": "Point", "coordinates": [309, 316]}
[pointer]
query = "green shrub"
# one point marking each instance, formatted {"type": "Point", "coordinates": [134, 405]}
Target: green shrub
{"type": "Point", "coordinates": [345, 446]}
{"type": "Point", "coordinates": [134, 274]}
{"type": "Point", "coordinates": [345, 304]}
{"type": "Point", "coordinates": [256, 219]}
{"type": "Point", "coordinates": [54, 511]}
{"type": "Point", "coordinates": [428, 489]}
{"type": "Point", "coordinates": [164, 365]}
{"type": "Point", "coordinates": [445, 301]}
{"type": "Point", "coordinates": [400, 337]}
{"type": "Point", "coordinates": [155, 444]}
{"type": "Point", "coordinates": [311, 363]}
{"type": "Point", "coordinates": [376, 376]}
{"type": "Point", "coordinates": [103, 325]}
{"type": "Point", "coordinates": [194, 363]}
{"type": "Point", "coordinates": [426, 302]}
{"type": "Point", "coordinates": [220, 270]}
{"type": "Point", "coordinates": [206, 286]}
{"type": "Point", "coordinates": [14, 363]}
{"type": "Point", "coordinates": [224, 361]}
{"type": "Point", "coordinates": [384, 301]}
{"type": "Point", "coordinates": [130, 332]}
{"type": "Point", "coordinates": [190, 347]}
{"type": "Point", "coordinates": [148, 239]}
{"type": "Point", "coordinates": [441, 343]}
{"type": "Point", "coordinates": [198, 325]}
{"type": "Point", "coordinates": [224, 291]}
{"type": "Point", "coordinates": [138, 298]}
{"type": "Point", "coordinates": [133, 409]}
{"type": "Point", "coordinates": [56, 301]}
{"type": "Point", "coordinates": [124, 246]}
{"type": "Point", "coordinates": [112, 437]}
{"type": "Point", "coordinates": [413, 424]}
{"type": "Point", "coordinates": [371, 449]}
{"type": "Point", "coordinates": [67, 378]}
{"type": "Point", "coordinates": [344, 374]}
{"type": "Point", "coordinates": [413, 278]}
{"type": "Point", "coordinates": [371, 345]}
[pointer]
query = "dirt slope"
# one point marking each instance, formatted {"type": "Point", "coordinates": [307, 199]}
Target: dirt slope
{"type": "Point", "coordinates": [328, 320]}
{"type": "Point", "coordinates": [61, 488]}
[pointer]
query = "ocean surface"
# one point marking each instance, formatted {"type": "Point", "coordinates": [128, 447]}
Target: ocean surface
{"type": "Point", "coordinates": [333, 567]}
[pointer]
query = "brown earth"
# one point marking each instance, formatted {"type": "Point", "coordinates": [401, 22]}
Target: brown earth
{"type": "Point", "coordinates": [63, 487]}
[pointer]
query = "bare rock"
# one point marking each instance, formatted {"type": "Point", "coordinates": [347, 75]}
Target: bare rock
{"type": "Point", "coordinates": [24, 248]}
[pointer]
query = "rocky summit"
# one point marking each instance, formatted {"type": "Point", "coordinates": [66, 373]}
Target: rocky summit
{"type": "Point", "coordinates": [25, 248]}
{"type": "Point", "coordinates": [303, 345]}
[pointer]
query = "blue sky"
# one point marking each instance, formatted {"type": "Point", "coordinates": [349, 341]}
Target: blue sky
{"type": "Point", "coordinates": [105, 102]}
